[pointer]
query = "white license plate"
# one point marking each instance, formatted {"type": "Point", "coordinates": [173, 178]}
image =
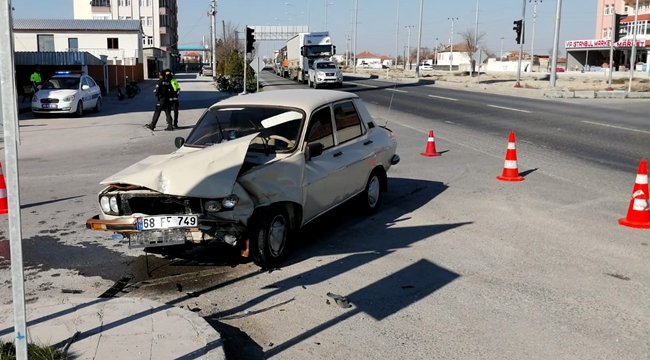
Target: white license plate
{"type": "Point", "coordinates": [49, 106]}
{"type": "Point", "coordinates": [167, 222]}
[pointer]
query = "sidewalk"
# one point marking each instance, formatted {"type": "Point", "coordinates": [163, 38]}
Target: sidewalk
{"type": "Point", "coordinates": [122, 328]}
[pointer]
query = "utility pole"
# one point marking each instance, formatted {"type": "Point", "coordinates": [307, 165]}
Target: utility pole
{"type": "Point", "coordinates": [436, 51]}
{"type": "Point", "coordinates": [521, 45]}
{"type": "Point", "coordinates": [633, 54]}
{"type": "Point", "coordinates": [611, 48]}
{"type": "Point", "coordinates": [556, 42]}
{"type": "Point", "coordinates": [213, 35]}
{"type": "Point", "coordinates": [356, 27]}
{"type": "Point", "coordinates": [417, 61]}
{"type": "Point", "coordinates": [408, 45]}
{"type": "Point", "coordinates": [501, 57]}
{"type": "Point", "coordinates": [397, 36]}
{"type": "Point", "coordinates": [9, 116]}
{"type": "Point", "coordinates": [475, 37]}
{"type": "Point", "coordinates": [326, 6]}
{"type": "Point", "coordinates": [245, 62]}
{"type": "Point", "coordinates": [532, 41]}
{"type": "Point", "coordinates": [347, 50]}
{"type": "Point", "coordinates": [451, 43]}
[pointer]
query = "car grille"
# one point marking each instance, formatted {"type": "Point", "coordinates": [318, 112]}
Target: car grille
{"type": "Point", "coordinates": [156, 204]}
{"type": "Point", "coordinates": [329, 74]}
{"type": "Point", "coordinates": [49, 101]}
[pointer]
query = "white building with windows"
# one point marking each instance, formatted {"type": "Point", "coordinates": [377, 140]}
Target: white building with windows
{"type": "Point", "coordinates": [119, 41]}
{"type": "Point", "coordinates": [159, 19]}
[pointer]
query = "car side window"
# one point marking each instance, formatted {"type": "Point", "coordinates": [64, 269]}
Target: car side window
{"type": "Point", "coordinates": [91, 82]}
{"type": "Point", "coordinates": [348, 122]}
{"type": "Point", "coordinates": [320, 128]}
{"type": "Point", "coordinates": [84, 81]}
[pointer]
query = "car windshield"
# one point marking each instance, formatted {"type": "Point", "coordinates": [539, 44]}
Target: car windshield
{"type": "Point", "coordinates": [279, 127]}
{"type": "Point", "coordinates": [325, 66]}
{"type": "Point", "coordinates": [63, 83]}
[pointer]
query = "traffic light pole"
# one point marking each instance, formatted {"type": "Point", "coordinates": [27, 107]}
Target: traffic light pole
{"type": "Point", "coordinates": [611, 51]}
{"type": "Point", "coordinates": [245, 49]}
{"type": "Point", "coordinates": [521, 44]}
{"type": "Point", "coordinates": [556, 43]}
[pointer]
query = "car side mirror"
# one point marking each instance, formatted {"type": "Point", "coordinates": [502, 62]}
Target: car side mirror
{"type": "Point", "coordinates": [85, 87]}
{"type": "Point", "coordinates": [179, 141]}
{"type": "Point", "coordinates": [314, 150]}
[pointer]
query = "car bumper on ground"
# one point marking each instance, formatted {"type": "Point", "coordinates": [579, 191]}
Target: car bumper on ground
{"type": "Point", "coordinates": [332, 80]}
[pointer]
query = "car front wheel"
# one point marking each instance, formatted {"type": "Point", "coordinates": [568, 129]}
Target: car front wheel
{"type": "Point", "coordinates": [80, 109]}
{"type": "Point", "coordinates": [269, 237]}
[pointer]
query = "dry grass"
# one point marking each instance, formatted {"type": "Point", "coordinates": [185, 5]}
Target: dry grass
{"type": "Point", "coordinates": [34, 352]}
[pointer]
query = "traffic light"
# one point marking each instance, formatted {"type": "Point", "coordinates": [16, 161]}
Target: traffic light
{"type": "Point", "coordinates": [617, 26]}
{"type": "Point", "coordinates": [519, 29]}
{"type": "Point", "coordinates": [250, 39]}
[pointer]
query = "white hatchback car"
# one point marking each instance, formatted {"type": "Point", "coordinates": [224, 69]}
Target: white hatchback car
{"type": "Point", "coordinates": [67, 93]}
{"type": "Point", "coordinates": [252, 169]}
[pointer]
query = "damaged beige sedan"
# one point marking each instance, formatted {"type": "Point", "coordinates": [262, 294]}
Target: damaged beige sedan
{"type": "Point", "coordinates": [253, 169]}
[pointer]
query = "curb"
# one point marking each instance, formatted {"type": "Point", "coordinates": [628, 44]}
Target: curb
{"type": "Point", "coordinates": [83, 306]}
{"type": "Point", "coordinates": [616, 94]}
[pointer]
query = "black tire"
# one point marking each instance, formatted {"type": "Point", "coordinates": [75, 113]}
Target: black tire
{"type": "Point", "coordinates": [98, 105]}
{"type": "Point", "coordinates": [371, 197]}
{"type": "Point", "coordinates": [37, 115]}
{"type": "Point", "coordinates": [267, 251]}
{"type": "Point", "coordinates": [80, 109]}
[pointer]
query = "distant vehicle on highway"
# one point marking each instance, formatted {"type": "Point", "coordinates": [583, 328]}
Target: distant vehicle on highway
{"type": "Point", "coordinates": [253, 169]}
{"type": "Point", "coordinates": [426, 67]}
{"type": "Point", "coordinates": [206, 71]}
{"type": "Point", "coordinates": [324, 73]}
{"type": "Point", "coordinates": [67, 92]}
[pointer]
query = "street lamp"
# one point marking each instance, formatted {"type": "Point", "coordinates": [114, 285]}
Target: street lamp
{"type": "Point", "coordinates": [417, 65]}
{"type": "Point", "coordinates": [326, 6]}
{"type": "Point", "coordinates": [532, 41]}
{"type": "Point", "coordinates": [451, 43]}
{"type": "Point", "coordinates": [436, 51]}
{"type": "Point", "coordinates": [308, 11]}
{"type": "Point", "coordinates": [501, 57]}
{"type": "Point", "coordinates": [397, 36]}
{"type": "Point", "coordinates": [409, 27]}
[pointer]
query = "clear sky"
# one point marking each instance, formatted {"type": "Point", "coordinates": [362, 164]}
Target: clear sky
{"type": "Point", "coordinates": [376, 20]}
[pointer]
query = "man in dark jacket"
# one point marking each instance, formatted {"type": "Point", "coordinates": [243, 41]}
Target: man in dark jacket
{"type": "Point", "coordinates": [164, 94]}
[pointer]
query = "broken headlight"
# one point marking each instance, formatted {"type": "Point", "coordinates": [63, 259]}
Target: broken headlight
{"type": "Point", "coordinates": [230, 201]}
{"type": "Point", "coordinates": [212, 206]}
{"type": "Point", "coordinates": [109, 205]}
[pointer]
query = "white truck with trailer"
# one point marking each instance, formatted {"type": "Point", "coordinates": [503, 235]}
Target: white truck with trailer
{"type": "Point", "coordinates": [305, 48]}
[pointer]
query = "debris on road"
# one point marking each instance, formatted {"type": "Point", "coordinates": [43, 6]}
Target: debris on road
{"type": "Point", "coordinates": [71, 291]}
{"type": "Point", "coordinates": [341, 301]}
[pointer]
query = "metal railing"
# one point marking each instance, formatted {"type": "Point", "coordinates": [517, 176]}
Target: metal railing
{"type": "Point", "coordinates": [100, 3]}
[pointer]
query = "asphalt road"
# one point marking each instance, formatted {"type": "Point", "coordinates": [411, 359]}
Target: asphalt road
{"type": "Point", "coordinates": [454, 265]}
{"type": "Point", "coordinates": [612, 136]}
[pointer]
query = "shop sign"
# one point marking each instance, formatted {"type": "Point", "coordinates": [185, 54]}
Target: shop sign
{"type": "Point", "coordinates": [602, 43]}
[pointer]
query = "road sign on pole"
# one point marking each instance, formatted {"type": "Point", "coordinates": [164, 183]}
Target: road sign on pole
{"type": "Point", "coordinates": [9, 115]}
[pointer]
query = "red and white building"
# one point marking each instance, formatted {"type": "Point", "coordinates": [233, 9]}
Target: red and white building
{"type": "Point", "coordinates": [593, 54]}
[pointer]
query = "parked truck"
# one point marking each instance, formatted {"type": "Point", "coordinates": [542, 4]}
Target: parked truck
{"type": "Point", "coordinates": [305, 48]}
{"type": "Point", "coordinates": [282, 64]}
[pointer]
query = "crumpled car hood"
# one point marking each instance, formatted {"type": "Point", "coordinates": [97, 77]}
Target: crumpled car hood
{"type": "Point", "coordinates": [208, 172]}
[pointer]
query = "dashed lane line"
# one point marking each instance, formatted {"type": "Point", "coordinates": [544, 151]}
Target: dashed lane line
{"type": "Point", "coordinates": [508, 108]}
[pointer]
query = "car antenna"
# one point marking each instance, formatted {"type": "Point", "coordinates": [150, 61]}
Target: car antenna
{"type": "Point", "coordinates": [391, 99]}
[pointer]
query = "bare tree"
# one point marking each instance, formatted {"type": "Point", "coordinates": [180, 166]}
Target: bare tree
{"type": "Point", "coordinates": [472, 43]}
{"type": "Point", "coordinates": [230, 40]}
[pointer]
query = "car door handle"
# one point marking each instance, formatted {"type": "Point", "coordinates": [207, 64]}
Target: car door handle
{"type": "Point", "coordinates": [367, 142]}
{"type": "Point", "coordinates": [338, 153]}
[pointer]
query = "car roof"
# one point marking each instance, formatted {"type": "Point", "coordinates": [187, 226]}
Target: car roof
{"type": "Point", "coordinates": [308, 100]}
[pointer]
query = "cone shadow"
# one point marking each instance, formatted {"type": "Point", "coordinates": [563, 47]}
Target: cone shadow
{"type": "Point", "coordinates": [527, 172]}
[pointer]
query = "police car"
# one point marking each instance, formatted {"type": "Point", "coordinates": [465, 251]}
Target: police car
{"type": "Point", "coordinates": [67, 92]}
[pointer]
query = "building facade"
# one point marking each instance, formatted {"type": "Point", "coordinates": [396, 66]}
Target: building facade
{"type": "Point", "coordinates": [159, 19]}
{"type": "Point", "coordinates": [119, 41]}
{"type": "Point", "coordinates": [594, 54]}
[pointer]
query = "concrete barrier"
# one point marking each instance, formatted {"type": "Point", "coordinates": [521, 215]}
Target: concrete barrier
{"type": "Point", "coordinates": [610, 94]}
{"type": "Point", "coordinates": [584, 94]}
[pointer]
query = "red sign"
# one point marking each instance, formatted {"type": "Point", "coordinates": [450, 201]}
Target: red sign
{"type": "Point", "coordinates": [602, 43]}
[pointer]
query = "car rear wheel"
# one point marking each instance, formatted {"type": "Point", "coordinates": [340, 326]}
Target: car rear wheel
{"type": "Point", "coordinates": [269, 237]}
{"type": "Point", "coordinates": [98, 106]}
{"type": "Point", "coordinates": [371, 196]}
{"type": "Point", "coordinates": [80, 109]}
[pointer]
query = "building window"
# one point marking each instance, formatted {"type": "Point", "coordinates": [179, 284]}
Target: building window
{"type": "Point", "coordinates": [102, 17]}
{"type": "Point", "coordinates": [125, 18]}
{"type": "Point", "coordinates": [149, 21]}
{"type": "Point", "coordinates": [125, 2]}
{"type": "Point", "coordinates": [112, 43]}
{"type": "Point", "coordinates": [143, 20]}
{"type": "Point", "coordinates": [164, 20]}
{"type": "Point", "coordinates": [608, 10]}
{"type": "Point", "coordinates": [45, 42]}
{"type": "Point", "coordinates": [145, 3]}
{"type": "Point", "coordinates": [147, 41]}
{"type": "Point", "coordinates": [73, 44]}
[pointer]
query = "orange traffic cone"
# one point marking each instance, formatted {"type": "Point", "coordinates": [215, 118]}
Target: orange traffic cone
{"type": "Point", "coordinates": [4, 207]}
{"type": "Point", "coordinates": [510, 168]}
{"type": "Point", "coordinates": [431, 146]}
{"type": "Point", "coordinates": [638, 214]}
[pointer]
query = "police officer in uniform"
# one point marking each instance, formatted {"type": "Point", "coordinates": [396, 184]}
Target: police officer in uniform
{"type": "Point", "coordinates": [177, 92]}
{"type": "Point", "coordinates": [164, 92]}
{"type": "Point", "coordinates": [35, 79]}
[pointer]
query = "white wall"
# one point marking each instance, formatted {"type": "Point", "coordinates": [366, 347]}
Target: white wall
{"type": "Point", "coordinates": [130, 44]}
{"type": "Point", "coordinates": [371, 63]}
{"type": "Point", "coordinates": [458, 58]}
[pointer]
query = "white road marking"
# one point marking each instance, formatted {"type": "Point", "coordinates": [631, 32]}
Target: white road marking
{"type": "Point", "coordinates": [359, 84]}
{"type": "Point", "coordinates": [442, 97]}
{"type": "Point", "coordinates": [617, 127]}
{"type": "Point", "coordinates": [507, 108]}
{"type": "Point", "coordinates": [398, 90]}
